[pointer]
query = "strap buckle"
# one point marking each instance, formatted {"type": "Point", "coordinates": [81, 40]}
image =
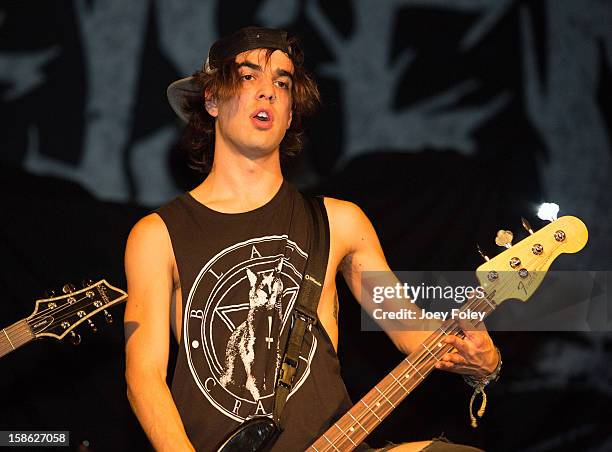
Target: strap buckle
{"type": "Point", "coordinates": [287, 373]}
{"type": "Point", "coordinates": [304, 317]}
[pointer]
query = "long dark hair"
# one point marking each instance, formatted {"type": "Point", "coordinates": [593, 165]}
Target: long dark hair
{"type": "Point", "coordinates": [198, 139]}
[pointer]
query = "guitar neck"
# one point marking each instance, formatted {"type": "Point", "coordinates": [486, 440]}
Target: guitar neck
{"type": "Point", "coordinates": [352, 428]}
{"type": "Point", "coordinates": [14, 336]}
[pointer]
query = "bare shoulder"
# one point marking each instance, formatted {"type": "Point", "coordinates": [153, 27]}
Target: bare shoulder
{"type": "Point", "coordinates": [148, 250]}
{"type": "Point", "coordinates": [350, 228]}
{"type": "Point", "coordinates": [346, 216]}
{"type": "Point", "coordinates": [344, 213]}
{"type": "Point", "coordinates": [151, 227]}
{"type": "Point", "coordinates": [354, 234]}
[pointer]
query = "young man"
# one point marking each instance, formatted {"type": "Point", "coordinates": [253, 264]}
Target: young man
{"type": "Point", "coordinates": [222, 265]}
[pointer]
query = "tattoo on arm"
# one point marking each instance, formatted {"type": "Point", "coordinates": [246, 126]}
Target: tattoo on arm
{"type": "Point", "coordinates": [346, 266]}
{"type": "Point", "coordinates": [336, 307]}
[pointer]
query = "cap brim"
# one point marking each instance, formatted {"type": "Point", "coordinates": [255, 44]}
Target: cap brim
{"type": "Point", "coordinates": [178, 91]}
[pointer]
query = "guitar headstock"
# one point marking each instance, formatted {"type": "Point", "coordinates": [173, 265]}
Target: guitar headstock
{"type": "Point", "coordinates": [517, 272]}
{"type": "Point", "coordinates": [57, 316]}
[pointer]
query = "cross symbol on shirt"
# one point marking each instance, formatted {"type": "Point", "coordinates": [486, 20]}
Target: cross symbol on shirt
{"type": "Point", "coordinates": [269, 340]}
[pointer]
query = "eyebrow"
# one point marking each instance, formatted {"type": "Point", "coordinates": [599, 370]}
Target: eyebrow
{"type": "Point", "coordinates": [279, 72]}
{"type": "Point", "coordinates": [284, 73]}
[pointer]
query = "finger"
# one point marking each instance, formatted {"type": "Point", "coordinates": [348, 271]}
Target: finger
{"type": "Point", "coordinates": [454, 358]}
{"type": "Point", "coordinates": [471, 328]}
{"type": "Point", "coordinates": [450, 366]}
{"type": "Point", "coordinates": [477, 338]}
{"type": "Point", "coordinates": [480, 341]}
{"type": "Point", "coordinates": [445, 365]}
{"type": "Point", "coordinates": [458, 343]}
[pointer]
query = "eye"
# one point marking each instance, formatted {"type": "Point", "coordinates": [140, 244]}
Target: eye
{"type": "Point", "coordinates": [282, 84]}
{"type": "Point", "coordinates": [248, 77]}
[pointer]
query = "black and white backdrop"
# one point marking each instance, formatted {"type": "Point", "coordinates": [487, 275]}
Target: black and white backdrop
{"type": "Point", "coordinates": [445, 120]}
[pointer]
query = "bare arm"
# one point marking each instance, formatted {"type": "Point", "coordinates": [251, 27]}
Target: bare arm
{"type": "Point", "coordinates": [362, 253]}
{"type": "Point", "coordinates": [149, 269]}
{"type": "Point", "coordinates": [475, 354]}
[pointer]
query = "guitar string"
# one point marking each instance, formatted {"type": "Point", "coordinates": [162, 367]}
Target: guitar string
{"type": "Point", "coordinates": [417, 362]}
{"type": "Point", "coordinates": [41, 315]}
{"type": "Point", "coordinates": [23, 336]}
{"type": "Point", "coordinates": [10, 341]}
{"type": "Point", "coordinates": [14, 343]}
{"type": "Point", "coordinates": [25, 332]}
{"type": "Point", "coordinates": [58, 318]}
{"type": "Point", "coordinates": [16, 338]}
{"type": "Point", "coordinates": [342, 436]}
{"type": "Point", "coordinates": [389, 392]}
{"type": "Point", "coordinates": [44, 313]}
{"type": "Point", "coordinates": [29, 331]}
{"type": "Point", "coordinates": [385, 394]}
{"type": "Point", "coordinates": [365, 421]}
{"type": "Point", "coordinates": [83, 305]}
{"type": "Point", "coordinates": [68, 295]}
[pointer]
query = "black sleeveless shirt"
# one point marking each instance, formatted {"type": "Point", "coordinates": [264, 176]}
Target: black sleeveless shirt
{"type": "Point", "coordinates": [240, 276]}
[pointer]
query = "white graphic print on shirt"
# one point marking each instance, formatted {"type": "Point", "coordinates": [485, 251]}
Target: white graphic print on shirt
{"type": "Point", "coordinates": [237, 310]}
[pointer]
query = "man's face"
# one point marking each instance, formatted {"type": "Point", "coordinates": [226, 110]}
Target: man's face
{"type": "Point", "coordinates": [254, 121]}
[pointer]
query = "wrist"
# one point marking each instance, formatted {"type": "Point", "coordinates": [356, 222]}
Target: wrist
{"type": "Point", "coordinates": [481, 382]}
{"type": "Point", "coordinates": [494, 372]}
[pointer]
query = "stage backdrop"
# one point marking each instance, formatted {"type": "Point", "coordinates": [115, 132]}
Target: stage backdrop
{"type": "Point", "coordinates": [445, 120]}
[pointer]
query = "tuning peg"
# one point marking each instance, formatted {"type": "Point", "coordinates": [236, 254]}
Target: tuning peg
{"type": "Point", "coordinates": [484, 256]}
{"type": "Point", "coordinates": [504, 238]}
{"type": "Point", "coordinates": [526, 225]}
{"type": "Point", "coordinates": [87, 282]}
{"type": "Point", "coordinates": [92, 326]}
{"type": "Point", "coordinates": [75, 338]}
{"type": "Point", "coordinates": [548, 211]}
{"type": "Point", "coordinates": [108, 317]}
{"type": "Point", "coordinates": [68, 288]}
{"type": "Point", "coordinates": [49, 293]}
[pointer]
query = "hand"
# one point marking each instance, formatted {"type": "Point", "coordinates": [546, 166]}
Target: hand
{"type": "Point", "coordinates": [474, 355]}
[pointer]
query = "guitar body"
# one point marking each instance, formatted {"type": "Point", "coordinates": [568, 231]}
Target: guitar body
{"type": "Point", "coordinates": [255, 435]}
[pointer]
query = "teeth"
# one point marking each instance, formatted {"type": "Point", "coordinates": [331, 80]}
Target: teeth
{"type": "Point", "coordinates": [262, 115]}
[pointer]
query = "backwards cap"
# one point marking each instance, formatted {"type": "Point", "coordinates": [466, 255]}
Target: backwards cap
{"type": "Point", "coordinates": [248, 38]}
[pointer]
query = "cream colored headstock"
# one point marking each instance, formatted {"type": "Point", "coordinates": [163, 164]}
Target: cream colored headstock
{"type": "Point", "coordinates": [518, 271]}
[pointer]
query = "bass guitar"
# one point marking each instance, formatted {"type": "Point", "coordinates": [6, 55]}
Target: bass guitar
{"type": "Point", "coordinates": [513, 274]}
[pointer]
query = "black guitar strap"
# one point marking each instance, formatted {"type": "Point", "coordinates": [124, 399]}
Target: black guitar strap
{"type": "Point", "coordinates": [305, 309]}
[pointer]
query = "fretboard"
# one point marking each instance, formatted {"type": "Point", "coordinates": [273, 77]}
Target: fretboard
{"type": "Point", "coordinates": [14, 336]}
{"type": "Point", "coordinates": [352, 428]}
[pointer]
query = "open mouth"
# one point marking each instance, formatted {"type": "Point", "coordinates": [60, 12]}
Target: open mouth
{"type": "Point", "coordinates": [262, 116]}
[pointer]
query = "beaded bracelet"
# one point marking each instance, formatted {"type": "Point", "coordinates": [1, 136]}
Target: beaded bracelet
{"type": "Point", "coordinates": [479, 384]}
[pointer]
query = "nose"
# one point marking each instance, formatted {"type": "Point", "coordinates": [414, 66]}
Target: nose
{"type": "Point", "coordinates": [266, 91]}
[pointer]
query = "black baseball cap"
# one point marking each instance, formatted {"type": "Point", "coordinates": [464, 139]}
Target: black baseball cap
{"type": "Point", "coordinates": [247, 38]}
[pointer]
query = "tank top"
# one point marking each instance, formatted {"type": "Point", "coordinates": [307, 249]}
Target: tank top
{"type": "Point", "coordinates": [240, 275]}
